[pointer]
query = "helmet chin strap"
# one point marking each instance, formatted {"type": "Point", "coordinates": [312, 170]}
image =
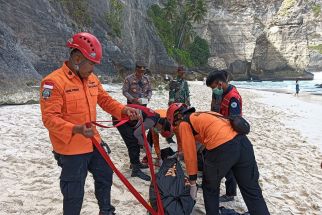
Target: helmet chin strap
{"type": "Point", "coordinates": [77, 66]}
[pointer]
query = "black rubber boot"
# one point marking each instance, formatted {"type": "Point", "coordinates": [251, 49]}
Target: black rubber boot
{"type": "Point", "coordinates": [141, 165]}
{"type": "Point", "coordinates": [136, 172]}
{"type": "Point", "coordinates": [170, 140]}
{"type": "Point", "coordinates": [109, 213]}
{"type": "Point", "coordinates": [226, 198]}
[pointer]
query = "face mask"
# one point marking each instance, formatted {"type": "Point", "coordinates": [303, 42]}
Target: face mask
{"type": "Point", "coordinates": [218, 91]}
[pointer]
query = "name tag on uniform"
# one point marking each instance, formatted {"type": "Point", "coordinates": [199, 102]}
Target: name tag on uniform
{"type": "Point", "coordinates": [92, 84]}
{"type": "Point", "coordinates": [70, 90]}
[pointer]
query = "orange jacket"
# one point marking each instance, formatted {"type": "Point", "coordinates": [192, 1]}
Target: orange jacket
{"type": "Point", "coordinates": [66, 101]}
{"type": "Point", "coordinates": [212, 132]}
{"type": "Point", "coordinates": [155, 135]}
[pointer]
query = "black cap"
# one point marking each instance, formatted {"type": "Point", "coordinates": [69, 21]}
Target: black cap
{"type": "Point", "coordinates": [140, 65]}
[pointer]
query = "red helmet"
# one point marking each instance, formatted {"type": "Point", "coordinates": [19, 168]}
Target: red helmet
{"type": "Point", "coordinates": [172, 111]}
{"type": "Point", "coordinates": [88, 45]}
{"type": "Point", "coordinates": [166, 134]}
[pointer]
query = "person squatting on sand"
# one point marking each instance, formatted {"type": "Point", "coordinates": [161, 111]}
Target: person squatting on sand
{"type": "Point", "coordinates": [225, 150]}
{"type": "Point", "coordinates": [69, 96]}
{"type": "Point", "coordinates": [127, 133]}
{"type": "Point", "coordinates": [165, 131]}
{"type": "Point", "coordinates": [131, 133]}
{"type": "Point", "coordinates": [230, 104]}
{"type": "Point", "coordinates": [150, 119]}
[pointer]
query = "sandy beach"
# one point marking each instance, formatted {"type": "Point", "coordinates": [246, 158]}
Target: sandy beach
{"type": "Point", "coordinates": [285, 133]}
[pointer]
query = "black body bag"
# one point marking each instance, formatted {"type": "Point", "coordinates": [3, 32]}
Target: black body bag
{"type": "Point", "coordinates": [175, 194]}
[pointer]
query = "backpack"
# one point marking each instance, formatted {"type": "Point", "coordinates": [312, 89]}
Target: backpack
{"type": "Point", "coordinates": [238, 123]}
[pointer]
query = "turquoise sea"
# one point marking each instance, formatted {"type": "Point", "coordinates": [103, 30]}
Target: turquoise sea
{"type": "Point", "coordinates": [289, 86]}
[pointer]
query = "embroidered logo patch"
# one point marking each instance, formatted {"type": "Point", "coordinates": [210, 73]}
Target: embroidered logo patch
{"type": "Point", "coordinates": [46, 93]}
{"type": "Point", "coordinates": [233, 104]}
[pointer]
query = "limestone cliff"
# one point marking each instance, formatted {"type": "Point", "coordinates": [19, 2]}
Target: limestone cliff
{"type": "Point", "coordinates": [33, 34]}
{"type": "Point", "coordinates": [260, 39]}
{"type": "Point", "coordinates": [270, 39]}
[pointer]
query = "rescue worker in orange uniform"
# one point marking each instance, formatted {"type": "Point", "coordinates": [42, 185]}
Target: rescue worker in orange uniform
{"type": "Point", "coordinates": [164, 129]}
{"type": "Point", "coordinates": [69, 96]}
{"type": "Point", "coordinates": [225, 150]}
{"type": "Point", "coordinates": [230, 104]}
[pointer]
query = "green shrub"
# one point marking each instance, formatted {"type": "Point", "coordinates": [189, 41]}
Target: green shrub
{"type": "Point", "coordinates": [316, 10]}
{"type": "Point", "coordinates": [317, 48]}
{"type": "Point", "coordinates": [114, 18]}
{"type": "Point", "coordinates": [199, 51]}
{"type": "Point", "coordinates": [181, 56]}
{"type": "Point", "coordinates": [78, 11]}
{"type": "Point", "coordinates": [168, 27]}
{"type": "Point", "coordinates": [163, 26]}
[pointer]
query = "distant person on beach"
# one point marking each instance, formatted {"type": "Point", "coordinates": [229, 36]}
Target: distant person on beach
{"type": "Point", "coordinates": [227, 101]}
{"type": "Point", "coordinates": [225, 150]}
{"type": "Point", "coordinates": [68, 101]}
{"type": "Point", "coordinates": [297, 88]}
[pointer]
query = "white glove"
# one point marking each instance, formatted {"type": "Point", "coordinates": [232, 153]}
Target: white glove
{"type": "Point", "coordinates": [160, 162]}
{"type": "Point", "coordinates": [143, 101]}
{"type": "Point", "coordinates": [193, 191]}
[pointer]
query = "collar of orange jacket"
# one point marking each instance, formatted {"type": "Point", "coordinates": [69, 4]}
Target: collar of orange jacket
{"type": "Point", "coordinates": [69, 73]}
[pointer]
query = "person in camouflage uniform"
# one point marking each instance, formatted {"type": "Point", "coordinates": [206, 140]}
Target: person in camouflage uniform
{"type": "Point", "coordinates": [137, 86]}
{"type": "Point", "coordinates": [178, 93]}
{"type": "Point", "coordinates": [179, 89]}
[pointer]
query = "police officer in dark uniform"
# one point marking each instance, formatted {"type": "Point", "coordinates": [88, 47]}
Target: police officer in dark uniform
{"type": "Point", "coordinates": [230, 104]}
{"type": "Point", "coordinates": [137, 87]}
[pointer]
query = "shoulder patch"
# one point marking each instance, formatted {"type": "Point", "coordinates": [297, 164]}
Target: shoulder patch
{"type": "Point", "coordinates": [233, 104]}
{"type": "Point", "coordinates": [47, 88]}
{"type": "Point", "coordinates": [46, 93]}
{"type": "Point", "coordinates": [48, 85]}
